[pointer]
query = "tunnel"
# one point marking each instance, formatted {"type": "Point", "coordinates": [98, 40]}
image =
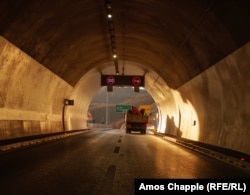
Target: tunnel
{"type": "Point", "coordinates": [194, 56]}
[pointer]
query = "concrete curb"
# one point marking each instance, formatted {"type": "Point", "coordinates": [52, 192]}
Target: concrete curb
{"type": "Point", "coordinates": [219, 156]}
{"type": "Point", "coordinates": [13, 146]}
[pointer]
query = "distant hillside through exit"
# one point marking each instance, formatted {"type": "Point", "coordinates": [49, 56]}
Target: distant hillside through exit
{"type": "Point", "coordinates": [103, 105]}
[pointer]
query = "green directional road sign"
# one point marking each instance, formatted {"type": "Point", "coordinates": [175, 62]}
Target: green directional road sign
{"type": "Point", "coordinates": [122, 108]}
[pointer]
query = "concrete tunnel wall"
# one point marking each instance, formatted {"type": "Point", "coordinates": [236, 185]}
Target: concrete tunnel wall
{"type": "Point", "coordinates": [212, 108]}
{"type": "Point", "coordinates": [31, 96]}
{"type": "Point", "coordinates": [220, 96]}
{"type": "Point", "coordinates": [84, 91]}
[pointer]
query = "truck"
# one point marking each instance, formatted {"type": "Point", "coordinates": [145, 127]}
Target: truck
{"type": "Point", "coordinates": [136, 121]}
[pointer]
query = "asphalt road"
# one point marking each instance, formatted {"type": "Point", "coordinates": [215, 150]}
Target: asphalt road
{"type": "Point", "coordinates": [103, 162]}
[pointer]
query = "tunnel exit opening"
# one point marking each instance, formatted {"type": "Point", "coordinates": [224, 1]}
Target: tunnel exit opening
{"type": "Point", "coordinates": [103, 106]}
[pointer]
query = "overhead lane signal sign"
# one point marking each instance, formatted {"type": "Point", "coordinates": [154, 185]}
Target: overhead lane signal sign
{"type": "Point", "coordinates": [110, 80]}
{"type": "Point", "coordinates": [122, 80]}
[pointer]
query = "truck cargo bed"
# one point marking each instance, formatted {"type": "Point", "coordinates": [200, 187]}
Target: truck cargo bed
{"type": "Point", "coordinates": [136, 122]}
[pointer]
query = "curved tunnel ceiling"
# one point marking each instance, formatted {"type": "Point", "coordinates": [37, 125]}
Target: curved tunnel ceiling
{"type": "Point", "coordinates": [175, 39]}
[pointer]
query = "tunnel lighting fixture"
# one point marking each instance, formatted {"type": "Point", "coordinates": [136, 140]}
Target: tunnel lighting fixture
{"type": "Point", "coordinates": [109, 16]}
{"type": "Point", "coordinates": [108, 7]}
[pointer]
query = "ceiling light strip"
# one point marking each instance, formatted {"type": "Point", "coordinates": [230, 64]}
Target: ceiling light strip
{"type": "Point", "coordinates": [112, 33]}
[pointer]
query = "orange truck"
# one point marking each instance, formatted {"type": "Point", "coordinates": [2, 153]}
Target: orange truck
{"type": "Point", "coordinates": [136, 121]}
